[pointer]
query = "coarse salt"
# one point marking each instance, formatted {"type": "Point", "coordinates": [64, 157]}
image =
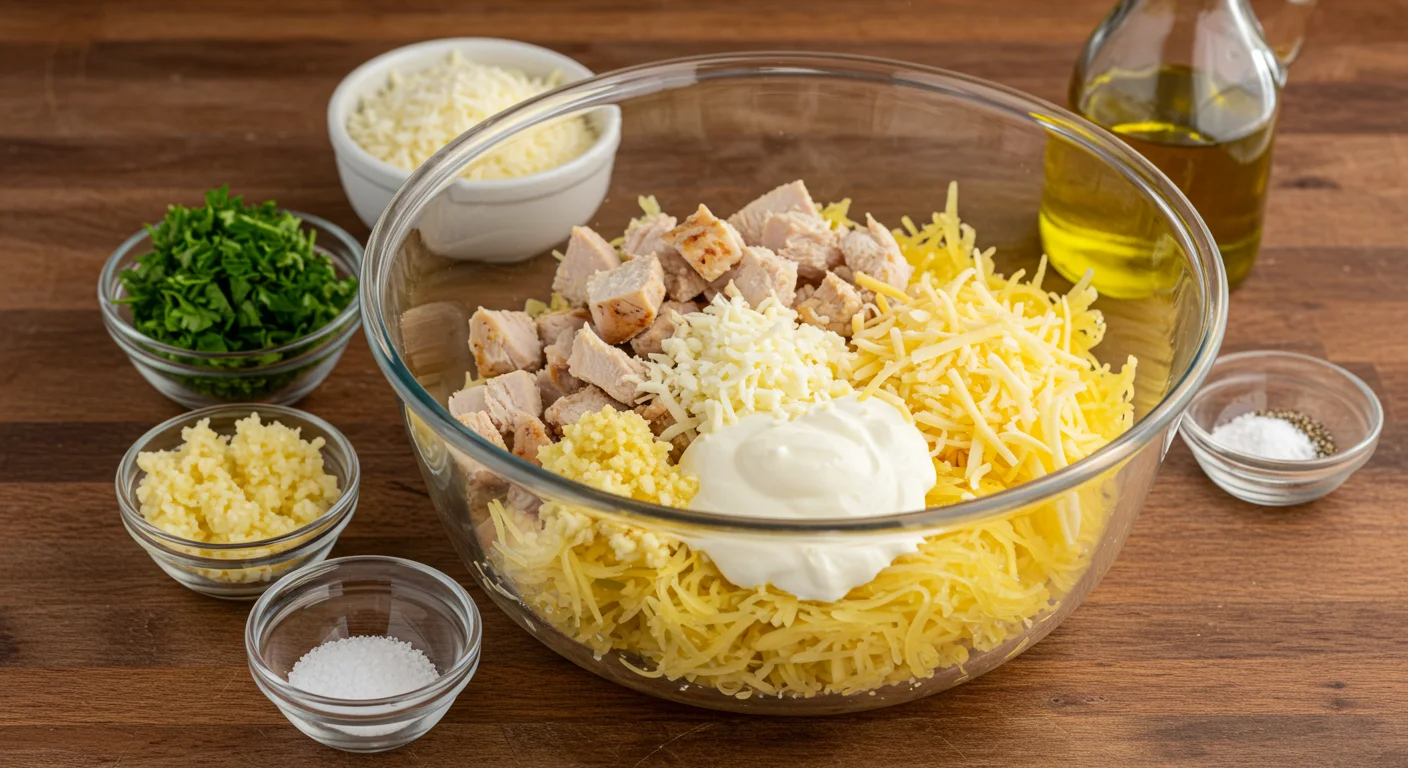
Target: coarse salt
{"type": "Point", "coordinates": [1265, 437]}
{"type": "Point", "coordinates": [362, 667]}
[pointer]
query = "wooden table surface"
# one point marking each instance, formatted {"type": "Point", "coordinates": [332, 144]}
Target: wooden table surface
{"type": "Point", "coordinates": [1224, 634]}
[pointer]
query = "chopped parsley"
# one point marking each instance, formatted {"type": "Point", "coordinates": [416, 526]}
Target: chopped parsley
{"type": "Point", "coordinates": [230, 277]}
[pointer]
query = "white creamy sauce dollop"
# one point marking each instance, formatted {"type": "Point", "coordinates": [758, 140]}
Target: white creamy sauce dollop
{"type": "Point", "coordinates": [844, 458]}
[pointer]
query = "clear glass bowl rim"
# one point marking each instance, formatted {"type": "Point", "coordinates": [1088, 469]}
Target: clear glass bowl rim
{"type": "Point", "coordinates": [609, 88]}
{"type": "Point", "coordinates": [131, 509]}
{"type": "Point", "coordinates": [1194, 431]}
{"type": "Point", "coordinates": [426, 694]}
{"type": "Point", "coordinates": [109, 285]}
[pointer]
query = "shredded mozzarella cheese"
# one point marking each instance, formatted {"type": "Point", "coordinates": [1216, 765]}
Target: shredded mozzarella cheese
{"type": "Point", "coordinates": [731, 360]}
{"type": "Point", "coordinates": [416, 114]}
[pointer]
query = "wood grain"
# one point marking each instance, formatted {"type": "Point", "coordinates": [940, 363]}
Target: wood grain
{"type": "Point", "coordinates": [1225, 633]}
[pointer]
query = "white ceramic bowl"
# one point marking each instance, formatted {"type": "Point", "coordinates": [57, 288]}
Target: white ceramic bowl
{"type": "Point", "coordinates": [500, 220]}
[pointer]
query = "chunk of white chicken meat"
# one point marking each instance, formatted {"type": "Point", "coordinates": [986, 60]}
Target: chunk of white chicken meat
{"type": "Point", "coordinates": [596, 362]}
{"type": "Point", "coordinates": [760, 274]}
{"type": "Point", "coordinates": [658, 417]}
{"type": "Point", "coordinates": [503, 341]}
{"type": "Point", "coordinates": [552, 324]}
{"type": "Point", "coordinates": [548, 391]}
{"type": "Point", "coordinates": [588, 399]}
{"type": "Point", "coordinates": [530, 434]}
{"type": "Point", "coordinates": [831, 305]}
{"type": "Point", "coordinates": [557, 355]}
{"type": "Point", "coordinates": [653, 338]}
{"type": "Point", "coordinates": [522, 499]}
{"type": "Point", "coordinates": [587, 254]}
{"type": "Point", "coordinates": [468, 400]}
{"type": "Point", "coordinates": [625, 300]}
{"type": "Point", "coordinates": [807, 240]}
{"type": "Point", "coordinates": [749, 219]}
{"type": "Point", "coordinates": [646, 236]}
{"type": "Point", "coordinates": [709, 244]}
{"type": "Point", "coordinates": [875, 252]}
{"type": "Point", "coordinates": [480, 477]}
{"type": "Point", "coordinates": [511, 398]}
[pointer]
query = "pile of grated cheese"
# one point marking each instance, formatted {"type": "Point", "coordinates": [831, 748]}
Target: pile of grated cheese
{"type": "Point", "coordinates": [996, 372]}
{"type": "Point", "coordinates": [416, 114]}
{"type": "Point", "coordinates": [730, 361]}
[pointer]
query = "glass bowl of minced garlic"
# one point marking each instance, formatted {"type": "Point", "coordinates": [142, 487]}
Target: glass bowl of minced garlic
{"type": "Point", "coordinates": [1280, 428]}
{"type": "Point", "coordinates": [230, 498]}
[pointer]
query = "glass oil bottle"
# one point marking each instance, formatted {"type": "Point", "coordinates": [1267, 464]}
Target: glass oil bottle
{"type": "Point", "coordinates": [1194, 86]}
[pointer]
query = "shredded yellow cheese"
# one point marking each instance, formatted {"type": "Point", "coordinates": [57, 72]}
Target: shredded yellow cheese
{"type": "Point", "coordinates": [996, 372]}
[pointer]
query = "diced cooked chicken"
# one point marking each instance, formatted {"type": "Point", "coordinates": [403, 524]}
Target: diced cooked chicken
{"type": "Point", "coordinates": [709, 244]}
{"type": "Point", "coordinates": [653, 338]}
{"type": "Point", "coordinates": [530, 434]}
{"type": "Point", "coordinates": [750, 218]}
{"type": "Point", "coordinates": [647, 236]}
{"type": "Point", "coordinates": [875, 252]}
{"type": "Point", "coordinates": [625, 300]}
{"type": "Point", "coordinates": [844, 272]}
{"type": "Point", "coordinates": [587, 254]}
{"type": "Point", "coordinates": [468, 400]}
{"type": "Point", "coordinates": [658, 417]}
{"type": "Point", "coordinates": [831, 306]}
{"type": "Point", "coordinates": [552, 324]}
{"type": "Point", "coordinates": [808, 240]}
{"type": "Point", "coordinates": [435, 343]}
{"type": "Point", "coordinates": [512, 398]}
{"type": "Point", "coordinates": [548, 391]}
{"type": "Point", "coordinates": [522, 499]}
{"type": "Point", "coordinates": [479, 476]}
{"type": "Point", "coordinates": [588, 399]}
{"type": "Point", "coordinates": [682, 283]}
{"type": "Point", "coordinates": [596, 362]}
{"type": "Point", "coordinates": [503, 342]}
{"type": "Point", "coordinates": [480, 422]}
{"type": "Point", "coordinates": [760, 274]}
{"type": "Point", "coordinates": [557, 355]}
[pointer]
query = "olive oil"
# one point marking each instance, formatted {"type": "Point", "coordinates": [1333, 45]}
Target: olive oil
{"type": "Point", "coordinates": [1212, 140]}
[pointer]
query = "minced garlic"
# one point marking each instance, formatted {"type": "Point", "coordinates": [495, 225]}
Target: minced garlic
{"type": "Point", "coordinates": [616, 452]}
{"type": "Point", "coordinates": [262, 482]}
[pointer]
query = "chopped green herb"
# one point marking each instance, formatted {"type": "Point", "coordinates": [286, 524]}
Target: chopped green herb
{"type": "Point", "coordinates": [227, 277]}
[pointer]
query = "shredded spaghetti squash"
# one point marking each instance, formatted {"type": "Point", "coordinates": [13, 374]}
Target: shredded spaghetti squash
{"type": "Point", "coordinates": [669, 612]}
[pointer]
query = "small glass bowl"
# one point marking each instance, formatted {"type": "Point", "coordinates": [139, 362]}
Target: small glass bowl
{"type": "Point", "coordinates": [280, 375]}
{"type": "Point", "coordinates": [1269, 380]}
{"type": "Point", "coordinates": [365, 595]}
{"type": "Point", "coordinates": [240, 571]}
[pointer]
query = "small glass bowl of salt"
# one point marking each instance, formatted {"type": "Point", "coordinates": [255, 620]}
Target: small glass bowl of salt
{"type": "Point", "coordinates": [1279, 428]}
{"type": "Point", "coordinates": [364, 654]}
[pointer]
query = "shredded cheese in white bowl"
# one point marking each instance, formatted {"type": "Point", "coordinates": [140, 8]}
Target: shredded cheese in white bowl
{"type": "Point", "coordinates": [416, 113]}
{"type": "Point", "coordinates": [516, 200]}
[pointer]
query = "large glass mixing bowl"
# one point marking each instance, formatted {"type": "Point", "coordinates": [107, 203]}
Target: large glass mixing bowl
{"type": "Point", "coordinates": [722, 130]}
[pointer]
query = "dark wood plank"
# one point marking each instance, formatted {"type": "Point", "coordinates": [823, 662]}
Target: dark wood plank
{"type": "Point", "coordinates": [1225, 633]}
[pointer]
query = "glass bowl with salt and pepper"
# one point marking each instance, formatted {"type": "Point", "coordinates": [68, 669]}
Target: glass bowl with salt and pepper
{"type": "Point", "coordinates": [1279, 428]}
